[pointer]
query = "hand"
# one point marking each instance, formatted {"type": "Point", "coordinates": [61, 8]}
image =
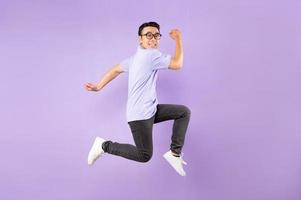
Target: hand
{"type": "Point", "coordinates": [91, 87]}
{"type": "Point", "coordinates": [175, 34]}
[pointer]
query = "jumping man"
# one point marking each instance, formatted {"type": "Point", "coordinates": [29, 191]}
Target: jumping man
{"type": "Point", "coordinates": [143, 109]}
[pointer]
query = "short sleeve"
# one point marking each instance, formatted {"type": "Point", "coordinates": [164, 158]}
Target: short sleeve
{"type": "Point", "coordinates": [125, 64]}
{"type": "Point", "coordinates": [160, 60]}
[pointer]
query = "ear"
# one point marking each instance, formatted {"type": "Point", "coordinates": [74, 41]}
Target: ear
{"type": "Point", "coordinates": [140, 39]}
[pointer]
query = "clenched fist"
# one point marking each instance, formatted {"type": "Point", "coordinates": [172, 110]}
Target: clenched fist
{"type": "Point", "coordinates": [175, 34]}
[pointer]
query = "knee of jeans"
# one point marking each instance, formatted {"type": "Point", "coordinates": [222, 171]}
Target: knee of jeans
{"type": "Point", "coordinates": [187, 111]}
{"type": "Point", "coordinates": [146, 156]}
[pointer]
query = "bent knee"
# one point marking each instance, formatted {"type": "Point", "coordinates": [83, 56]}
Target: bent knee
{"type": "Point", "coordinates": [145, 157]}
{"type": "Point", "coordinates": [186, 111]}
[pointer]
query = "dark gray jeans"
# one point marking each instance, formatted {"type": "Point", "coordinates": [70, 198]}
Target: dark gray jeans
{"type": "Point", "coordinates": [142, 133]}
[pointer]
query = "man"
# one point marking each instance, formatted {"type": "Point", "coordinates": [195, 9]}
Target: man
{"type": "Point", "coordinates": [143, 109]}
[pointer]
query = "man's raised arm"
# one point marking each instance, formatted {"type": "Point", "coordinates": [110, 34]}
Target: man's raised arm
{"type": "Point", "coordinates": [177, 60]}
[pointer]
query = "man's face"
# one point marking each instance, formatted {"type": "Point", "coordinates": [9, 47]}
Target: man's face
{"type": "Point", "coordinates": [147, 39]}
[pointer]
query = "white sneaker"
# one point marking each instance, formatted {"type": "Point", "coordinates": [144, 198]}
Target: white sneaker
{"type": "Point", "coordinates": [96, 150]}
{"type": "Point", "coordinates": [176, 162]}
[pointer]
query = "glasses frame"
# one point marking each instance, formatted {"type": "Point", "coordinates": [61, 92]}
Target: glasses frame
{"type": "Point", "coordinates": [152, 35]}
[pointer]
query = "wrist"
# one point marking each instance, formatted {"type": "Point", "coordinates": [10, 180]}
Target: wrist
{"type": "Point", "coordinates": [179, 40]}
{"type": "Point", "coordinates": [98, 87]}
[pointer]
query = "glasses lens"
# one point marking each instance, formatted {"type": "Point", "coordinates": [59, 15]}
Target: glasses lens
{"type": "Point", "coordinates": [149, 35]}
{"type": "Point", "coordinates": [157, 36]}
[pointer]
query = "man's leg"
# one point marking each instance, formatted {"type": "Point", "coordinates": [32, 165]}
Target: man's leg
{"type": "Point", "coordinates": [142, 134]}
{"type": "Point", "coordinates": [181, 116]}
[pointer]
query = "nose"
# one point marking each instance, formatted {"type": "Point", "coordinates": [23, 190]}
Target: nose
{"type": "Point", "coordinates": [153, 39]}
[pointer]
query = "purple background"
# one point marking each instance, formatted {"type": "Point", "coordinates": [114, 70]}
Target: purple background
{"type": "Point", "coordinates": [241, 79]}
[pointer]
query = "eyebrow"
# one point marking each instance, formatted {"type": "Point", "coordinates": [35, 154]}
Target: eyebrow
{"type": "Point", "coordinates": [150, 32]}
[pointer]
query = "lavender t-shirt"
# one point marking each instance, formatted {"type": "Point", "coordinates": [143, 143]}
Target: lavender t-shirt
{"type": "Point", "coordinates": [143, 69]}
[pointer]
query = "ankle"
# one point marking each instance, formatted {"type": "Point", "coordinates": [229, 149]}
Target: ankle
{"type": "Point", "coordinates": [104, 146]}
{"type": "Point", "coordinates": [175, 154]}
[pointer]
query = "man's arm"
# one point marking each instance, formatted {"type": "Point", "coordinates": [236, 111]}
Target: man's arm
{"type": "Point", "coordinates": [177, 60]}
{"type": "Point", "coordinates": [110, 75]}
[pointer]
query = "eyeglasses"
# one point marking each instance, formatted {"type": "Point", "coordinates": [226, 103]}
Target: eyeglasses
{"type": "Point", "coordinates": [150, 36]}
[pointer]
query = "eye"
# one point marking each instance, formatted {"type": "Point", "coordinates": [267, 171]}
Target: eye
{"type": "Point", "coordinates": [157, 35]}
{"type": "Point", "coordinates": [149, 35]}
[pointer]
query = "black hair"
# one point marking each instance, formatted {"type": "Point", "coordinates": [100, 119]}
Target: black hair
{"type": "Point", "coordinates": [152, 24]}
